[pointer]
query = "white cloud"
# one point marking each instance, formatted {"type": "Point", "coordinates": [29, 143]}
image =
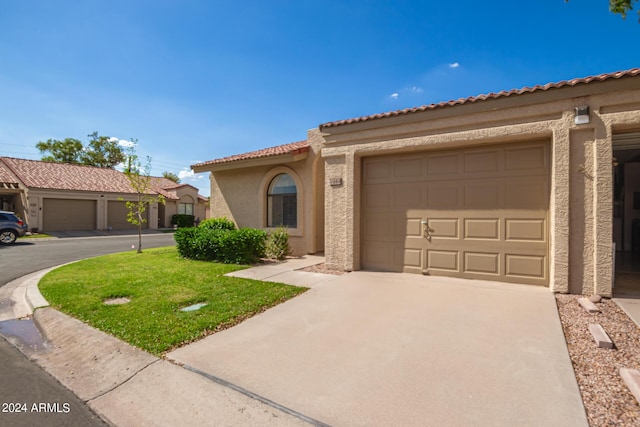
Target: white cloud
{"type": "Point", "coordinates": [188, 174]}
{"type": "Point", "coordinates": [394, 95]}
{"type": "Point", "coordinates": [416, 89]}
{"type": "Point", "coordinates": [125, 143]}
{"type": "Point", "coordinates": [454, 65]}
{"type": "Point", "coordinates": [122, 142]}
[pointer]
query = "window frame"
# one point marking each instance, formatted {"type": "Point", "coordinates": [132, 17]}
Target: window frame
{"type": "Point", "coordinates": [283, 201]}
{"type": "Point", "coordinates": [180, 204]}
{"type": "Point", "coordinates": [267, 178]}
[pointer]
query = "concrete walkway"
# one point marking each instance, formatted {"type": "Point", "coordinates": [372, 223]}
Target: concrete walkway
{"type": "Point", "coordinates": [358, 349]}
{"type": "Point", "coordinates": [627, 294]}
{"type": "Point", "coordinates": [288, 272]}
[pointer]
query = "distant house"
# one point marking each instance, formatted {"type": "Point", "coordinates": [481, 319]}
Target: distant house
{"type": "Point", "coordinates": [530, 185]}
{"type": "Point", "coordinates": [66, 197]}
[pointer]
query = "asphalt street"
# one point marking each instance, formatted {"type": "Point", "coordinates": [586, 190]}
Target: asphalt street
{"type": "Point", "coordinates": [29, 396]}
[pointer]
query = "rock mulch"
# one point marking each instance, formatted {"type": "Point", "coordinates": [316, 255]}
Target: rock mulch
{"type": "Point", "coordinates": [322, 268]}
{"type": "Point", "coordinates": [607, 399]}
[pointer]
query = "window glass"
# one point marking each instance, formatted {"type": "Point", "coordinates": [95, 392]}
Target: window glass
{"type": "Point", "coordinates": [185, 208]}
{"type": "Point", "coordinates": [282, 202]}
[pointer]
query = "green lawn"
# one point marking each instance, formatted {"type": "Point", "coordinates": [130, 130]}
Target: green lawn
{"type": "Point", "coordinates": [35, 236]}
{"type": "Point", "coordinates": [159, 282]}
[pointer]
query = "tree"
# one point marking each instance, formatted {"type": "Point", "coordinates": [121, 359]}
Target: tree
{"type": "Point", "coordinates": [65, 151]}
{"type": "Point", "coordinates": [171, 176]}
{"type": "Point", "coordinates": [101, 151]}
{"type": "Point", "coordinates": [621, 7]}
{"type": "Point", "coordinates": [139, 177]}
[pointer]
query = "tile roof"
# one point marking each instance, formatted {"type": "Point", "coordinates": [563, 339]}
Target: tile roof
{"type": "Point", "coordinates": [503, 94]}
{"type": "Point", "coordinates": [64, 176]}
{"type": "Point", "coordinates": [164, 186]}
{"type": "Point", "coordinates": [6, 175]}
{"type": "Point", "coordinates": [291, 148]}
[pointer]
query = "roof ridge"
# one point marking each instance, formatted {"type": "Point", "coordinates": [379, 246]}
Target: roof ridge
{"type": "Point", "coordinates": [263, 152]}
{"type": "Point", "coordinates": [483, 97]}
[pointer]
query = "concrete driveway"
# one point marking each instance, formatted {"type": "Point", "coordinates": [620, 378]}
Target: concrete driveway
{"type": "Point", "coordinates": [398, 349]}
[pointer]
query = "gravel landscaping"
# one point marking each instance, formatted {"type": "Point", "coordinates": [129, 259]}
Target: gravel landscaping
{"type": "Point", "coordinates": [607, 399]}
{"type": "Point", "coordinates": [322, 268]}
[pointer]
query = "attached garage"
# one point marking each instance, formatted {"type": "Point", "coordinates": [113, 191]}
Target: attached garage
{"type": "Point", "coordinates": [117, 216]}
{"type": "Point", "coordinates": [477, 213]}
{"type": "Point", "coordinates": [68, 214]}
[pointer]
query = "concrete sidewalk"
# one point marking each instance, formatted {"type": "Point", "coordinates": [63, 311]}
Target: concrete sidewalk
{"type": "Point", "coordinates": [288, 272]}
{"type": "Point", "coordinates": [358, 349]}
{"type": "Point", "coordinates": [626, 294]}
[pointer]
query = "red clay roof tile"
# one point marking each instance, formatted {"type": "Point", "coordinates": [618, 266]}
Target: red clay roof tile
{"type": "Point", "coordinates": [291, 148]}
{"type": "Point", "coordinates": [505, 93]}
{"type": "Point", "coordinates": [6, 175]}
{"type": "Point", "coordinates": [64, 176]}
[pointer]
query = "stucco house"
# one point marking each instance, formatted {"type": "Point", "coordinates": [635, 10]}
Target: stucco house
{"type": "Point", "coordinates": [534, 185]}
{"type": "Point", "coordinates": [66, 197]}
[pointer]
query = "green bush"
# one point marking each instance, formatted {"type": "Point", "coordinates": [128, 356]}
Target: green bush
{"type": "Point", "coordinates": [218, 224]}
{"type": "Point", "coordinates": [183, 220]}
{"type": "Point", "coordinates": [242, 246]}
{"type": "Point", "coordinates": [277, 246]}
{"type": "Point", "coordinates": [186, 242]}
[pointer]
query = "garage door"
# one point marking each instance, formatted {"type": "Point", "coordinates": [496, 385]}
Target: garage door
{"type": "Point", "coordinates": [477, 213]}
{"type": "Point", "coordinates": [68, 214]}
{"type": "Point", "coordinates": [117, 216]}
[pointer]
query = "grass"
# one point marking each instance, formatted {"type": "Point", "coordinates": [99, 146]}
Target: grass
{"type": "Point", "coordinates": [159, 282]}
{"type": "Point", "coordinates": [35, 236]}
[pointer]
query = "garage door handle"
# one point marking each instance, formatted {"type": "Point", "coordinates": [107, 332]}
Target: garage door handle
{"type": "Point", "coordinates": [426, 232]}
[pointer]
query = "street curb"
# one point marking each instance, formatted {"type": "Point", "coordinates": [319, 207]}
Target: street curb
{"type": "Point", "coordinates": [32, 296]}
{"type": "Point", "coordinates": [23, 295]}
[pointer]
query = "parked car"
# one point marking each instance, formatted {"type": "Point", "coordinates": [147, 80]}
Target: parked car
{"type": "Point", "coordinates": [11, 227]}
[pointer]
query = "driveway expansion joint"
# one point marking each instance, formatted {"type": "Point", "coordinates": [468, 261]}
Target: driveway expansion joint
{"type": "Point", "coordinates": [117, 386]}
{"type": "Point", "coordinates": [255, 396]}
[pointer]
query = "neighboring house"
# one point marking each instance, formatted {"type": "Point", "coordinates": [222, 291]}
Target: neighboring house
{"type": "Point", "coordinates": [66, 197]}
{"type": "Point", "coordinates": [527, 186]}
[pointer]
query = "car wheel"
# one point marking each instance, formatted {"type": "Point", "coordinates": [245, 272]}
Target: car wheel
{"type": "Point", "coordinates": [8, 237]}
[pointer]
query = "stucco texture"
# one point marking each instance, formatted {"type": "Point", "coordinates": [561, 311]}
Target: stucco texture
{"type": "Point", "coordinates": [580, 211]}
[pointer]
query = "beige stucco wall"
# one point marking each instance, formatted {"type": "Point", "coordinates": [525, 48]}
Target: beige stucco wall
{"type": "Point", "coordinates": [238, 192]}
{"type": "Point", "coordinates": [580, 212]}
{"type": "Point", "coordinates": [185, 194]}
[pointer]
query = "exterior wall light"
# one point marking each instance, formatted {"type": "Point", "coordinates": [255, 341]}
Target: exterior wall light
{"type": "Point", "coordinates": [582, 115]}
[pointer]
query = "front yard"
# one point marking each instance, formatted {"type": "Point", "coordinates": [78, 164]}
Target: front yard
{"type": "Point", "coordinates": [158, 283]}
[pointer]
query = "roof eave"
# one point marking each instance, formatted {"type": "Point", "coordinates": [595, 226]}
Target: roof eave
{"type": "Point", "coordinates": [491, 98]}
{"type": "Point", "coordinates": [291, 157]}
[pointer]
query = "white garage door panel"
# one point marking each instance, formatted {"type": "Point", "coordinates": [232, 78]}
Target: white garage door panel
{"type": "Point", "coordinates": [68, 215]}
{"type": "Point", "coordinates": [485, 211]}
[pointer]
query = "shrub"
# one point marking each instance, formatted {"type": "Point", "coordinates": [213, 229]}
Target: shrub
{"type": "Point", "coordinates": [183, 220]}
{"type": "Point", "coordinates": [277, 246]}
{"type": "Point", "coordinates": [186, 242]}
{"type": "Point", "coordinates": [218, 224]}
{"type": "Point", "coordinates": [242, 246]}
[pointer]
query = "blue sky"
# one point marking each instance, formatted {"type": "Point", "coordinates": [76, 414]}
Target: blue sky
{"type": "Point", "coordinates": [195, 80]}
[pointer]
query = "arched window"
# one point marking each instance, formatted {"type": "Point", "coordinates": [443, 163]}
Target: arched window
{"type": "Point", "coordinates": [282, 202]}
